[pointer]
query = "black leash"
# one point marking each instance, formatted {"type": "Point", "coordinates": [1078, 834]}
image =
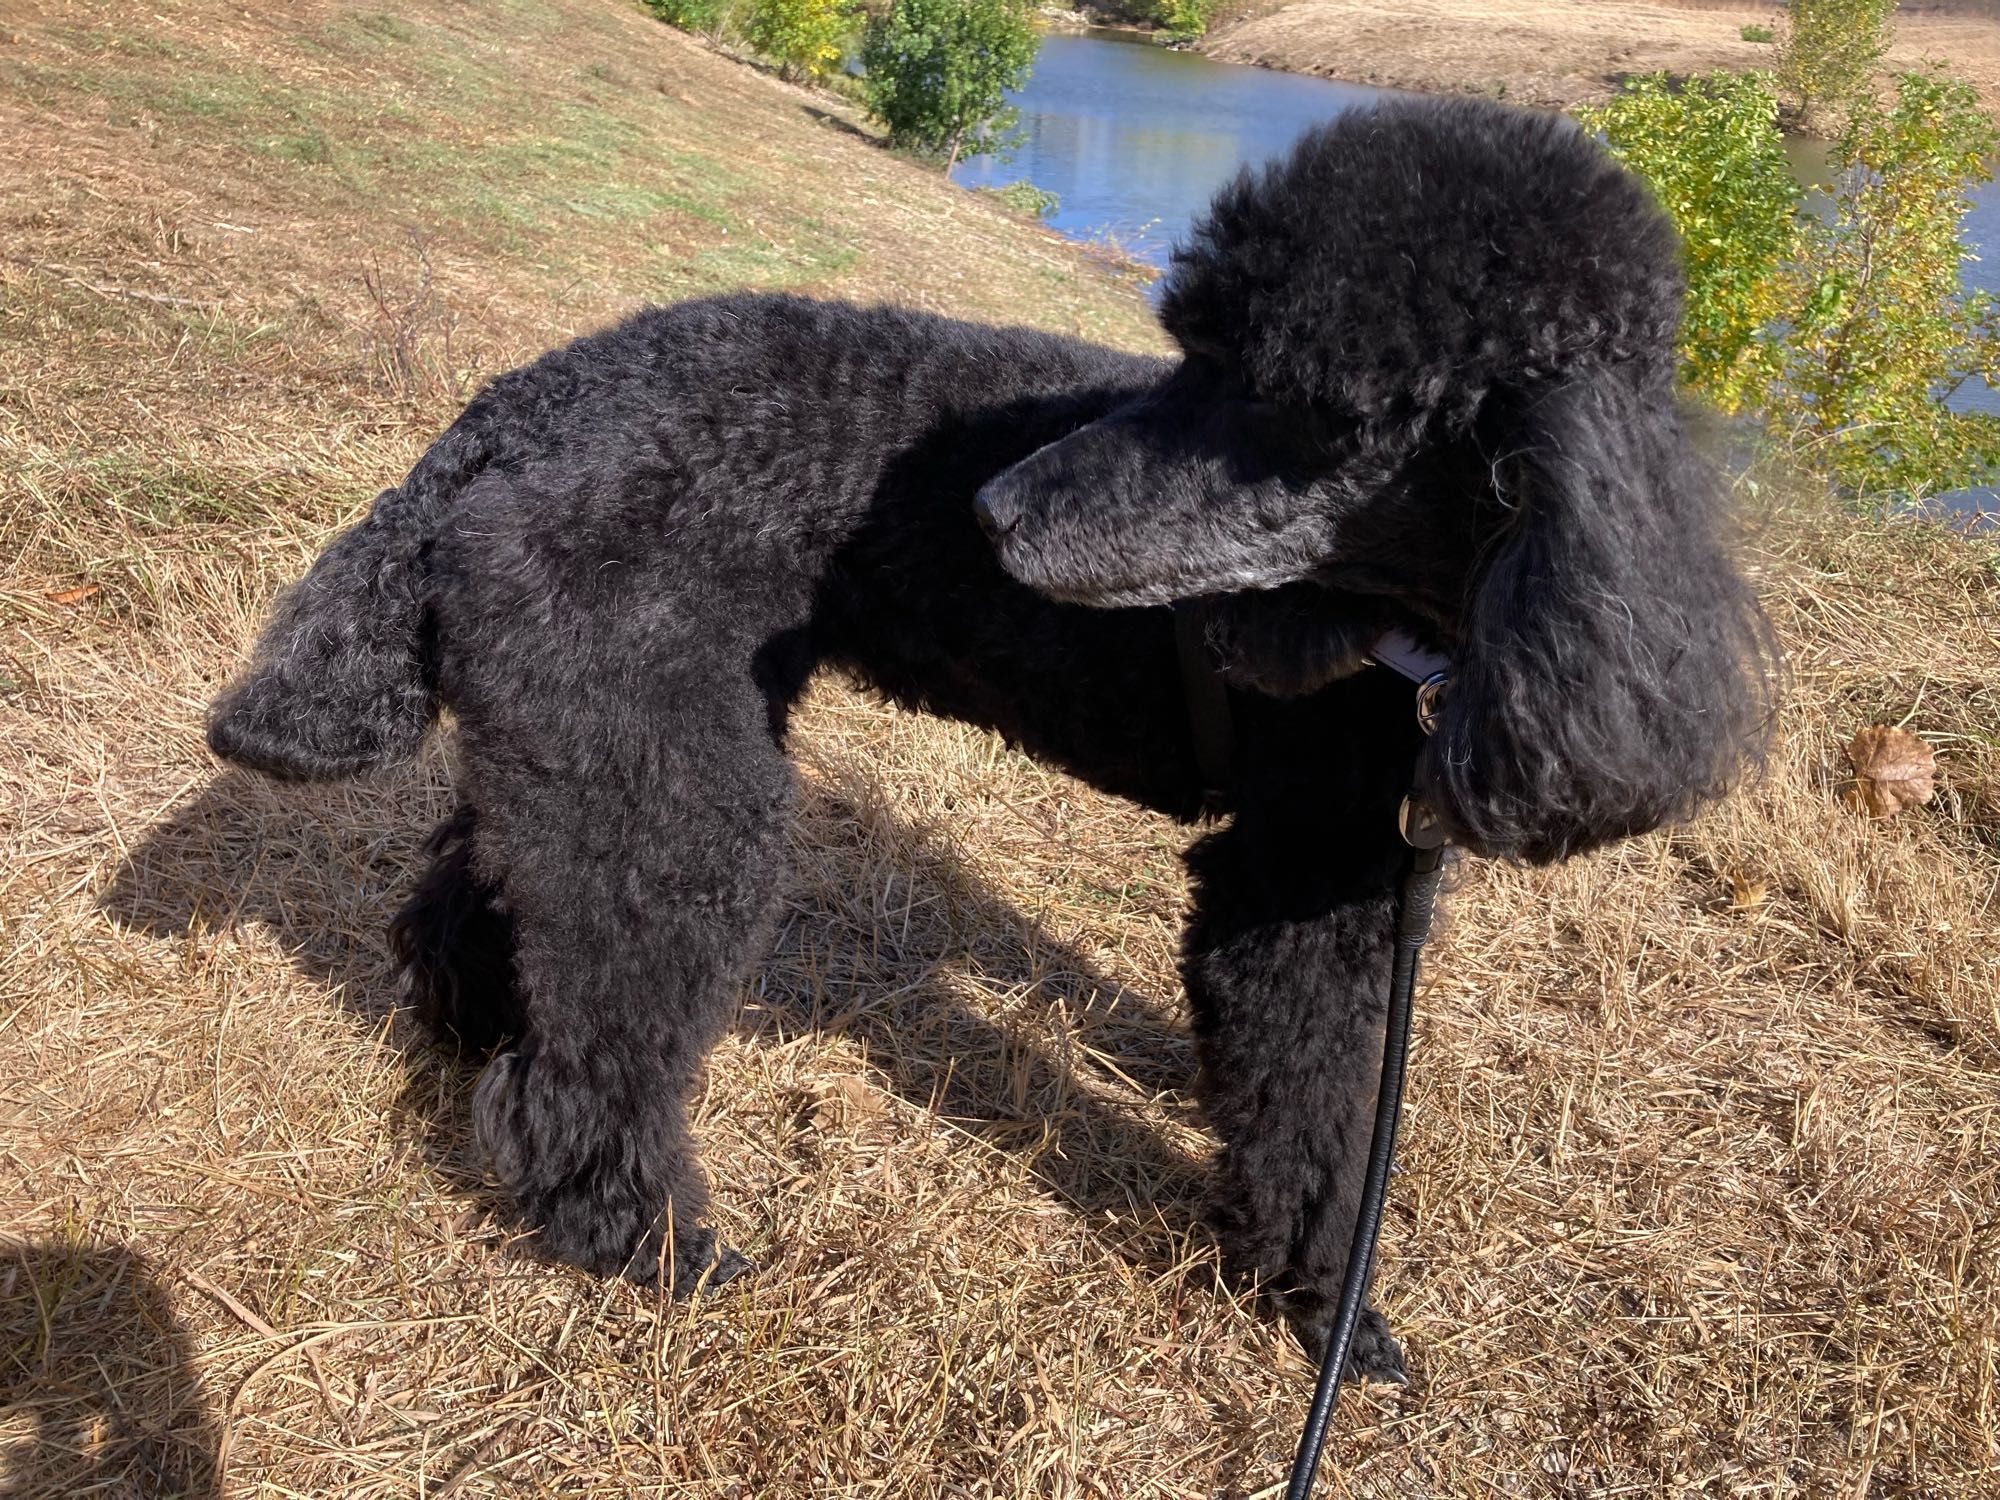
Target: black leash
{"type": "Point", "coordinates": [1413, 925]}
{"type": "Point", "coordinates": [1426, 839]}
{"type": "Point", "coordinates": [1214, 742]}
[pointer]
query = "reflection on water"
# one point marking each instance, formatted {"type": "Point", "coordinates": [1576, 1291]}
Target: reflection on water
{"type": "Point", "coordinates": [1135, 138]}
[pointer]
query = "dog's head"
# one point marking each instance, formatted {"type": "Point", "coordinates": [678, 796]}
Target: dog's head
{"type": "Point", "coordinates": [1428, 383]}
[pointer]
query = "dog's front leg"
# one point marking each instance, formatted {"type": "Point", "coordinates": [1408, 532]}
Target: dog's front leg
{"type": "Point", "coordinates": [1288, 1011]}
{"type": "Point", "coordinates": [1287, 965]}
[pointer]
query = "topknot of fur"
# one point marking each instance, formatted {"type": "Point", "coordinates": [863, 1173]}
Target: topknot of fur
{"type": "Point", "coordinates": [1407, 258]}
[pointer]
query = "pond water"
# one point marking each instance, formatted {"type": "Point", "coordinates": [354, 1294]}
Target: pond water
{"type": "Point", "coordinates": [1134, 138]}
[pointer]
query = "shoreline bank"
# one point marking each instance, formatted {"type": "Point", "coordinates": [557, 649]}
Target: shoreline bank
{"type": "Point", "coordinates": [1558, 53]}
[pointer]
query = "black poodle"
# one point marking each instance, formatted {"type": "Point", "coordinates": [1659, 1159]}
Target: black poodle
{"type": "Point", "coordinates": [1426, 384]}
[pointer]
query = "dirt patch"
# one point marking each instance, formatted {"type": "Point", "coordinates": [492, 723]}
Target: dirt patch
{"type": "Point", "coordinates": [1556, 52]}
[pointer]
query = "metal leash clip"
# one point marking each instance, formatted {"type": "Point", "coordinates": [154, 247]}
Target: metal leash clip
{"type": "Point", "coordinates": [1432, 675]}
{"type": "Point", "coordinates": [1419, 824]}
{"type": "Point", "coordinates": [1430, 699]}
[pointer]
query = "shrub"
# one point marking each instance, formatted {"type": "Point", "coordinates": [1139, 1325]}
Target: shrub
{"type": "Point", "coordinates": [1712, 152]}
{"type": "Point", "coordinates": [938, 72]}
{"type": "Point", "coordinates": [1831, 50]}
{"type": "Point", "coordinates": [1025, 198]}
{"type": "Point", "coordinates": [1758, 34]}
{"type": "Point", "coordinates": [690, 15]}
{"type": "Point", "coordinates": [1885, 329]}
{"type": "Point", "coordinates": [801, 36]}
{"type": "Point", "coordinates": [1847, 330]}
{"type": "Point", "coordinates": [1184, 20]}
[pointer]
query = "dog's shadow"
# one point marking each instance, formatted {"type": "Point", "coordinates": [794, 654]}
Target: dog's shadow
{"type": "Point", "coordinates": [99, 1391]}
{"type": "Point", "coordinates": [324, 868]}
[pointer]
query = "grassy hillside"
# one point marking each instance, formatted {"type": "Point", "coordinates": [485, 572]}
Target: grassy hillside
{"type": "Point", "coordinates": [1701, 1190]}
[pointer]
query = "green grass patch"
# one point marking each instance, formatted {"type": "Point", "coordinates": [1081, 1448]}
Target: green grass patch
{"type": "Point", "coordinates": [312, 146]}
{"type": "Point", "coordinates": [468, 145]}
{"type": "Point", "coordinates": [1024, 198]}
{"type": "Point", "coordinates": [763, 266]}
{"type": "Point", "coordinates": [378, 27]}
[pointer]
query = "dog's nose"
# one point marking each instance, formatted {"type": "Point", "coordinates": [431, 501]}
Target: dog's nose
{"type": "Point", "coordinates": [998, 513]}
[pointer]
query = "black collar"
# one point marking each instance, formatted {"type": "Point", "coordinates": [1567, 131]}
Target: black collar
{"type": "Point", "coordinates": [1212, 725]}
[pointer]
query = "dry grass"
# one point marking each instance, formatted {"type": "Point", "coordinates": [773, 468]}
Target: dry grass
{"type": "Point", "coordinates": [1564, 52]}
{"type": "Point", "coordinates": [1700, 1195]}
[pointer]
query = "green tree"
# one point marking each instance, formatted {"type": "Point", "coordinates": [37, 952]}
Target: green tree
{"type": "Point", "coordinates": [939, 72]}
{"type": "Point", "coordinates": [1712, 153]}
{"type": "Point", "coordinates": [1885, 329]}
{"type": "Point", "coordinates": [1847, 330]}
{"type": "Point", "coordinates": [1184, 20]}
{"type": "Point", "coordinates": [1830, 52]}
{"type": "Point", "coordinates": [801, 36]}
{"type": "Point", "coordinates": [691, 15]}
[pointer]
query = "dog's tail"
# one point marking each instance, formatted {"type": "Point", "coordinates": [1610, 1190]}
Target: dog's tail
{"type": "Point", "coordinates": [341, 680]}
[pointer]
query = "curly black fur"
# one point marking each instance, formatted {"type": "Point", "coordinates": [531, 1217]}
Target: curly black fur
{"type": "Point", "coordinates": [454, 943]}
{"type": "Point", "coordinates": [1426, 385]}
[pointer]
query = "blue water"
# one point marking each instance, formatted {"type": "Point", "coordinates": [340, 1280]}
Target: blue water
{"type": "Point", "coordinates": [1979, 270]}
{"type": "Point", "coordinates": [1134, 138]}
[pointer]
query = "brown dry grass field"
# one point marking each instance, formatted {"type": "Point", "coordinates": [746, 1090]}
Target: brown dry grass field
{"type": "Point", "coordinates": [1702, 1187]}
{"type": "Point", "coordinates": [1561, 52]}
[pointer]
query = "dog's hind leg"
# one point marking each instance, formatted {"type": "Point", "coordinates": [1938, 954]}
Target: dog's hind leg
{"type": "Point", "coordinates": [1287, 969]}
{"type": "Point", "coordinates": [632, 812]}
{"type": "Point", "coordinates": [455, 946]}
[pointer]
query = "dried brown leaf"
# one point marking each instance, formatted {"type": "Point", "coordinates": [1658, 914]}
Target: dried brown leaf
{"type": "Point", "coordinates": [1893, 769]}
{"type": "Point", "coordinates": [847, 1102]}
{"type": "Point", "coordinates": [1746, 892]}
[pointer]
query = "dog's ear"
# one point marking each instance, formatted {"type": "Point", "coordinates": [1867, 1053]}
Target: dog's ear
{"type": "Point", "coordinates": [1613, 671]}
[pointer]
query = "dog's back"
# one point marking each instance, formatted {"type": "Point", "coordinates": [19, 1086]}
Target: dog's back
{"type": "Point", "coordinates": [783, 410]}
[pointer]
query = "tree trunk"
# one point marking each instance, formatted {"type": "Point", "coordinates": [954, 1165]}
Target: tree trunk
{"type": "Point", "coordinates": [951, 161]}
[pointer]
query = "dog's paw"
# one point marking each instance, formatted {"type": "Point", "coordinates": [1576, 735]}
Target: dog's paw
{"type": "Point", "coordinates": [591, 1177]}
{"type": "Point", "coordinates": [700, 1263]}
{"type": "Point", "coordinates": [1373, 1354]}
